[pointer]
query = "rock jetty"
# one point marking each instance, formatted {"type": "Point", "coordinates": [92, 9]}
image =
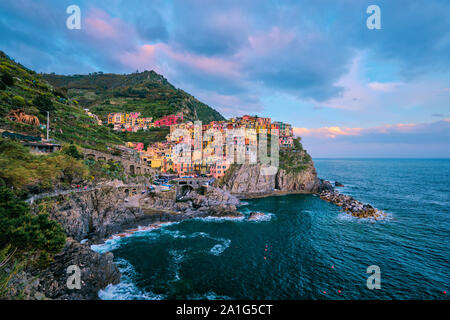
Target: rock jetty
{"type": "Point", "coordinates": [351, 205]}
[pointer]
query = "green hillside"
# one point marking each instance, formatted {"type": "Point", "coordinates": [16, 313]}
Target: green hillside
{"type": "Point", "coordinates": [21, 88]}
{"type": "Point", "coordinates": [147, 92]}
{"type": "Point", "coordinates": [65, 97]}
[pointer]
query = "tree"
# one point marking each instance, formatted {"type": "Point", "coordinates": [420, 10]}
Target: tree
{"type": "Point", "coordinates": [18, 101]}
{"type": "Point", "coordinates": [44, 104]}
{"type": "Point", "coordinates": [24, 231]}
{"type": "Point", "coordinates": [7, 79]}
{"type": "Point", "coordinates": [297, 144]}
{"type": "Point", "coordinates": [72, 151]}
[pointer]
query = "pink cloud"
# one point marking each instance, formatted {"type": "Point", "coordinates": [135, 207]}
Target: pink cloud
{"type": "Point", "coordinates": [265, 42]}
{"type": "Point", "coordinates": [101, 26]}
{"type": "Point", "coordinates": [327, 132]}
{"type": "Point", "coordinates": [143, 58]}
{"type": "Point", "coordinates": [333, 132]}
{"type": "Point", "coordinates": [155, 54]}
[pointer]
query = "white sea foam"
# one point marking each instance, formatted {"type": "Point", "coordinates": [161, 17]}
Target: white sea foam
{"type": "Point", "coordinates": [220, 219]}
{"type": "Point", "coordinates": [177, 257]}
{"type": "Point", "coordinates": [211, 295]}
{"type": "Point", "coordinates": [221, 247]}
{"type": "Point", "coordinates": [266, 217]}
{"type": "Point", "coordinates": [348, 217]}
{"type": "Point", "coordinates": [114, 241]}
{"type": "Point", "coordinates": [108, 245]}
{"type": "Point", "coordinates": [126, 289]}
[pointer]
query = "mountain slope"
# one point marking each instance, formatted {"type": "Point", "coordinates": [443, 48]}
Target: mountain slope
{"type": "Point", "coordinates": [147, 92]}
{"type": "Point", "coordinates": [22, 88]}
{"type": "Point", "coordinates": [66, 96]}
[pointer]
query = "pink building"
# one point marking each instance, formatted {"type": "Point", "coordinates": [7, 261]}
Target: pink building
{"type": "Point", "coordinates": [218, 170]}
{"type": "Point", "coordinates": [168, 120]}
{"type": "Point", "coordinates": [139, 146]}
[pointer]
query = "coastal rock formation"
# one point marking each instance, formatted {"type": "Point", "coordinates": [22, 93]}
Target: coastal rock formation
{"type": "Point", "coordinates": [352, 206]}
{"type": "Point", "coordinates": [93, 214]}
{"type": "Point", "coordinates": [214, 202]}
{"type": "Point", "coordinates": [255, 216]}
{"type": "Point", "coordinates": [338, 184]}
{"type": "Point", "coordinates": [96, 272]}
{"type": "Point", "coordinates": [249, 179]}
{"type": "Point", "coordinates": [305, 181]}
{"type": "Point", "coordinates": [325, 185]}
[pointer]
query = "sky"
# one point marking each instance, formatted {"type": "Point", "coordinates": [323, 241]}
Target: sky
{"type": "Point", "coordinates": [348, 91]}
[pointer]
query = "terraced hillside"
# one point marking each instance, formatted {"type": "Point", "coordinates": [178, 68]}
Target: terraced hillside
{"type": "Point", "coordinates": [65, 97]}
{"type": "Point", "coordinates": [147, 92]}
{"type": "Point", "coordinates": [22, 88]}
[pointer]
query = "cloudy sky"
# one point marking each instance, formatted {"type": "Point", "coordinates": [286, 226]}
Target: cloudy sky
{"type": "Point", "coordinates": [348, 91]}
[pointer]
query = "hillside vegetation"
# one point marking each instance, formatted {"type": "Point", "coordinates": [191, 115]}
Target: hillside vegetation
{"type": "Point", "coordinates": [147, 92]}
{"type": "Point", "coordinates": [21, 88]}
{"type": "Point", "coordinates": [65, 97]}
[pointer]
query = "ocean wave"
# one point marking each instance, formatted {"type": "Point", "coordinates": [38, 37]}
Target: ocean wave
{"type": "Point", "coordinates": [220, 219]}
{"type": "Point", "coordinates": [177, 257]}
{"type": "Point", "coordinates": [266, 217]}
{"type": "Point", "coordinates": [343, 216]}
{"type": "Point", "coordinates": [126, 289]}
{"type": "Point", "coordinates": [221, 247]}
{"type": "Point", "coordinates": [114, 241]}
{"type": "Point", "coordinates": [109, 245]}
{"type": "Point", "coordinates": [211, 295]}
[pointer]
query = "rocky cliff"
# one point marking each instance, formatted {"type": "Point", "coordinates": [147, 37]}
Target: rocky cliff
{"type": "Point", "coordinates": [250, 180]}
{"type": "Point", "coordinates": [93, 214]}
{"type": "Point", "coordinates": [295, 174]}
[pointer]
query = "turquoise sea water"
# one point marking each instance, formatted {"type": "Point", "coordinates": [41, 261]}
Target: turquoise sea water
{"type": "Point", "coordinates": [305, 248]}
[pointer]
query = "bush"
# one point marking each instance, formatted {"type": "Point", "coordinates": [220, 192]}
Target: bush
{"type": "Point", "coordinates": [7, 79]}
{"type": "Point", "coordinates": [44, 104]}
{"type": "Point", "coordinates": [24, 231]}
{"type": "Point", "coordinates": [73, 152]}
{"type": "Point", "coordinates": [18, 101]}
{"type": "Point", "coordinates": [25, 172]}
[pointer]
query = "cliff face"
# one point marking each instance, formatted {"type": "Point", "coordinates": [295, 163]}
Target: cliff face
{"type": "Point", "coordinates": [250, 179]}
{"type": "Point", "coordinates": [305, 181]}
{"type": "Point", "coordinates": [96, 272]}
{"type": "Point", "coordinates": [296, 173]}
{"type": "Point", "coordinates": [247, 178]}
{"type": "Point", "coordinates": [94, 214]}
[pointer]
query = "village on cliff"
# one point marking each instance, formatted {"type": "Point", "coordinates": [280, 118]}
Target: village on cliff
{"type": "Point", "coordinates": [159, 155]}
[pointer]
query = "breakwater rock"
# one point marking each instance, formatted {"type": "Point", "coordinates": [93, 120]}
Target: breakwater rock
{"type": "Point", "coordinates": [351, 205]}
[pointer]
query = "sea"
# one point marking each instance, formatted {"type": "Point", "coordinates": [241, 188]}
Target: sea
{"type": "Point", "coordinates": [304, 247]}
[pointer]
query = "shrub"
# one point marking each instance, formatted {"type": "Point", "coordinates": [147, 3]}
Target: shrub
{"type": "Point", "coordinates": [18, 101]}
{"type": "Point", "coordinates": [7, 79]}
{"type": "Point", "coordinates": [44, 104]}
{"type": "Point", "coordinates": [73, 152]}
{"type": "Point", "coordinates": [24, 231]}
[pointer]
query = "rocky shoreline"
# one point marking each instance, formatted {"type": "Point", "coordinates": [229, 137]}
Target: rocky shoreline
{"type": "Point", "coordinates": [94, 216]}
{"type": "Point", "coordinates": [351, 205]}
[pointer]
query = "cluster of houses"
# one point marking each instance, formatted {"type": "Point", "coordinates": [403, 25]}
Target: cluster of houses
{"type": "Point", "coordinates": [133, 121]}
{"type": "Point", "coordinates": [203, 141]}
{"type": "Point", "coordinates": [94, 116]}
